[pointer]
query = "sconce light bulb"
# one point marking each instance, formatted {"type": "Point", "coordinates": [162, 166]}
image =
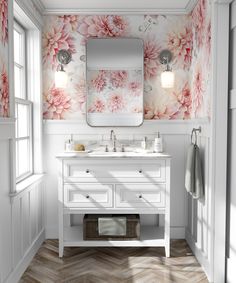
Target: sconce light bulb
{"type": "Point", "coordinates": [167, 79]}
{"type": "Point", "coordinates": [61, 78]}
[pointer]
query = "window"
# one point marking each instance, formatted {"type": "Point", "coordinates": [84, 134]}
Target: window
{"type": "Point", "coordinates": [23, 107]}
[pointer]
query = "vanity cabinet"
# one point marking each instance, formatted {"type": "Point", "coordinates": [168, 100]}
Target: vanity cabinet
{"type": "Point", "coordinates": [114, 185]}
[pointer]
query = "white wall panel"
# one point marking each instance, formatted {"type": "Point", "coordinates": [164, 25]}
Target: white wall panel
{"type": "Point", "coordinates": [25, 222]}
{"type": "Point", "coordinates": [5, 212]}
{"type": "Point", "coordinates": [17, 232]}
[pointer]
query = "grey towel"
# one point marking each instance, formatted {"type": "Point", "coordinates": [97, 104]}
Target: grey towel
{"type": "Point", "coordinates": [193, 175]}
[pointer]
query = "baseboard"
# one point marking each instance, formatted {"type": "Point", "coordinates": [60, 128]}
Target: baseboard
{"type": "Point", "coordinates": [202, 259]}
{"type": "Point", "coordinates": [16, 274]}
{"type": "Point", "coordinates": [175, 232]}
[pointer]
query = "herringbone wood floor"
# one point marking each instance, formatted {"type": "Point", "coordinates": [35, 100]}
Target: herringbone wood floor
{"type": "Point", "coordinates": [114, 265]}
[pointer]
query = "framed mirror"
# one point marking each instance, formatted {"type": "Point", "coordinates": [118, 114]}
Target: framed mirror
{"type": "Point", "coordinates": [114, 79]}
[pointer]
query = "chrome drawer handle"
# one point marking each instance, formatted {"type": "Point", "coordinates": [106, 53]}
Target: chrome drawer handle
{"type": "Point", "coordinates": [140, 171]}
{"type": "Point", "coordinates": [87, 171]}
{"type": "Point", "coordinates": [140, 196]}
{"type": "Point", "coordinates": [87, 196]}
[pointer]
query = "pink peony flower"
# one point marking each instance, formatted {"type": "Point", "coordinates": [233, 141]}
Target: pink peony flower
{"type": "Point", "coordinates": [70, 21]}
{"type": "Point", "coordinates": [184, 99]}
{"type": "Point", "coordinates": [103, 26]}
{"type": "Point", "coordinates": [56, 103]}
{"type": "Point", "coordinates": [81, 94]}
{"type": "Point", "coordinates": [56, 38]}
{"type": "Point", "coordinates": [99, 82]}
{"type": "Point", "coordinates": [180, 44]}
{"type": "Point", "coordinates": [151, 60]}
{"type": "Point", "coordinates": [165, 113]}
{"type": "Point", "coordinates": [4, 21]}
{"type": "Point", "coordinates": [98, 106]}
{"type": "Point", "coordinates": [198, 19]}
{"type": "Point", "coordinates": [208, 40]}
{"type": "Point", "coordinates": [148, 112]}
{"type": "Point", "coordinates": [4, 94]}
{"type": "Point", "coordinates": [119, 78]}
{"type": "Point", "coordinates": [116, 103]}
{"type": "Point", "coordinates": [135, 88]}
{"type": "Point", "coordinates": [198, 88]}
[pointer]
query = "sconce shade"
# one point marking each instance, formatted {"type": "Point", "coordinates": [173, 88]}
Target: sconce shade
{"type": "Point", "coordinates": [61, 79]}
{"type": "Point", "coordinates": [167, 79]}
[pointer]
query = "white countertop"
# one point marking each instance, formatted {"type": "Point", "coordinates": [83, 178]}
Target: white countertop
{"type": "Point", "coordinates": [117, 155]}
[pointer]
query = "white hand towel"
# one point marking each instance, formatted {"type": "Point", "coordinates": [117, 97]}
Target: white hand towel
{"type": "Point", "coordinates": [193, 175]}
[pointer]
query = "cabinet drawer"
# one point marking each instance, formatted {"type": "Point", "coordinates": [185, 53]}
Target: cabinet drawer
{"type": "Point", "coordinates": [142, 170]}
{"type": "Point", "coordinates": [140, 195]}
{"type": "Point", "coordinates": [88, 195]}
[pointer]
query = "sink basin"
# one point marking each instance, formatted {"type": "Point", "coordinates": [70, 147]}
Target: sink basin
{"type": "Point", "coordinates": [121, 154]}
{"type": "Point", "coordinates": [109, 154]}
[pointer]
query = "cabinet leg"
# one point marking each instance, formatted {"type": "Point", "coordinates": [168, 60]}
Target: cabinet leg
{"type": "Point", "coordinates": [61, 250]}
{"type": "Point", "coordinates": [167, 250]}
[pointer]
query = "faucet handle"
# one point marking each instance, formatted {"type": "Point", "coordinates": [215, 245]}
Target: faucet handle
{"type": "Point", "coordinates": [106, 148]}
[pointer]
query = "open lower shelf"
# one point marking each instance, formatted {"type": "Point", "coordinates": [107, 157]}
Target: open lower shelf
{"type": "Point", "coordinates": [151, 236]}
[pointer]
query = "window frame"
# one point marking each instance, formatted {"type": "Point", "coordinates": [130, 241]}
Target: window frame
{"type": "Point", "coordinates": [23, 100]}
{"type": "Point", "coordinates": [22, 31]}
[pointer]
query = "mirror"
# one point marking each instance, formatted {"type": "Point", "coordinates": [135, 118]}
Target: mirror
{"type": "Point", "coordinates": [114, 79]}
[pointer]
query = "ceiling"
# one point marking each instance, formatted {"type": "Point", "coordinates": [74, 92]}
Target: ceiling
{"type": "Point", "coordinates": [115, 6]}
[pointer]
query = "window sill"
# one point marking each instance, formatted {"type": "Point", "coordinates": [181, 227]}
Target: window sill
{"type": "Point", "coordinates": [26, 184]}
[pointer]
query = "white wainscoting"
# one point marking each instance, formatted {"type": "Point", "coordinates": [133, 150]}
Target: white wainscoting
{"type": "Point", "coordinates": [199, 229]}
{"type": "Point", "coordinates": [176, 135]}
{"type": "Point", "coordinates": [21, 220]}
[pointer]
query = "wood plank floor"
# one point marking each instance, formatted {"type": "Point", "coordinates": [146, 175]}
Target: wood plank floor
{"type": "Point", "coordinates": [114, 265]}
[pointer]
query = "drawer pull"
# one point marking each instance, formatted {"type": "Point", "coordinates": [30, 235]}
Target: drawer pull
{"type": "Point", "coordinates": [140, 171]}
{"type": "Point", "coordinates": [87, 196]}
{"type": "Point", "coordinates": [87, 171]}
{"type": "Point", "coordinates": [140, 196]}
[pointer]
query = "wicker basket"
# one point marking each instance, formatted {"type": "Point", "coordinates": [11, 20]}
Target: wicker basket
{"type": "Point", "coordinates": [91, 229]}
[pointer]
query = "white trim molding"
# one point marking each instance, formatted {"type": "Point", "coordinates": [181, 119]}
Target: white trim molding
{"type": "Point", "coordinates": [118, 10]}
{"type": "Point", "coordinates": [133, 11]}
{"type": "Point", "coordinates": [218, 154]}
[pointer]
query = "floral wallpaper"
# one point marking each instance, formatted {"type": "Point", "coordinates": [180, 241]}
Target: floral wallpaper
{"type": "Point", "coordinates": [117, 91]}
{"type": "Point", "coordinates": [4, 86]}
{"type": "Point", "coordinates": [200, 73]}
{"type": "Point", "coordinates": [188, 37]}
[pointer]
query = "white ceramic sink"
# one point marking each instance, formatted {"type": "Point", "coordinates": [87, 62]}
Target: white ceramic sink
{"type": "Point", "coordinates": [121, 154]}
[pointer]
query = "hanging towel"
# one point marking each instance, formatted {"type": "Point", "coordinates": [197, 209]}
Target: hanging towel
{"type": "Point", "coordinates": [193, 175]}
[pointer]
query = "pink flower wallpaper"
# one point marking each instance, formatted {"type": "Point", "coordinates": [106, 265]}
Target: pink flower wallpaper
{"type": "Point", "coordinates": [200, 72]}
{"type": "Point", "coordinates": [114, 91]}
{"type": "Point", "coordinates": [4, 85]}
{"type": "Point", "coordinates": [187, 37]}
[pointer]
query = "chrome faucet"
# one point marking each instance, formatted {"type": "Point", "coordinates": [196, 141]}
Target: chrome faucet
{"type": "Point", "coordinates": [113, 138]}
{"type": "Point", "coordinates": [112, 135]}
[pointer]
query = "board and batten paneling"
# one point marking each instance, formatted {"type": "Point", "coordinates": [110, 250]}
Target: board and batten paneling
{"type": "Point", "coordinates": [21, 215]}
{"type": "Point", "coordinates": [199, 223]}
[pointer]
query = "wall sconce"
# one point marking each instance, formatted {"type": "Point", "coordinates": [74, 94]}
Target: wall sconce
{"type": "Point", "coordinates": [168, 76]}
{"type": "Point", "coordinates": [61, 77]}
